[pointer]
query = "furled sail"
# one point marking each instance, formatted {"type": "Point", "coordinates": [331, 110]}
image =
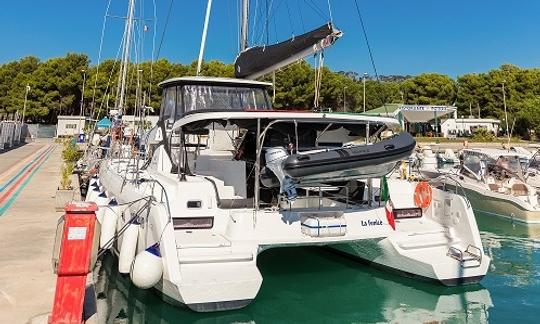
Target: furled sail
{"type": "Point", "coordinates": [257, 61]}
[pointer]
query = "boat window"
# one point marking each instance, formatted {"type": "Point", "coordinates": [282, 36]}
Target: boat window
{"type": "Point", "coordinates": [198, 97]}
{"type": "Point", "coordinates": [168, 104]}
{"type": "Point", "coordinates": [509, 163]}
{"type": "Point", "coordinates": [179, 104]}
{"type": "Point", "coordinates": [535, 161]}
{"type": "Point", "coordinates": [473, 164]}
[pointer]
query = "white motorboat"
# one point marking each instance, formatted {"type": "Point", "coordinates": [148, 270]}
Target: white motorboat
{"type": "Point", "coordinates": [192, 220]}
{"type": "Point", "coordinates": [494, 182]}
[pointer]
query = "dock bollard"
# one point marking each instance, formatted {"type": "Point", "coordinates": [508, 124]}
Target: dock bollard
{"type": "Point", "coordinates": [74, 262]}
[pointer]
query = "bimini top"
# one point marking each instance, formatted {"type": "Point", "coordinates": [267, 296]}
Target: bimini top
{"type": "Point", "coordinates": [203, 119]}
{"type": "Point", "coordinates": [203, 80]}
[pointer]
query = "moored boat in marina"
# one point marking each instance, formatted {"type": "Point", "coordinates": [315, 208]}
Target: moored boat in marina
{"type": "Point", "coordinates": [205, 215]}
{"type": "Point", "coordinates": [493, 181]}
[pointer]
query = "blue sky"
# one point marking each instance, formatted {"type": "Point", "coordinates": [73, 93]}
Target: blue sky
{"type": "Point", "coordinates": [407, 37]}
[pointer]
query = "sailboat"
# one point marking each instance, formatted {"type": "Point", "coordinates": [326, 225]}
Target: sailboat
{"type": "Point", "coordinates": [230, 177]}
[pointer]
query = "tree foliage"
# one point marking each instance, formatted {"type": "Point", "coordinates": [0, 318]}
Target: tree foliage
{"type": "Point", "coordinates": [56, 88]}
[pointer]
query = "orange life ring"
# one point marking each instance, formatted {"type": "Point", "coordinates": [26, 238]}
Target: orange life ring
{"type": "Point", "coordinates": [423, 195]}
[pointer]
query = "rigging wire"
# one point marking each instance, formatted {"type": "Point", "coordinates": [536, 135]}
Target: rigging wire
{"type": "Point", "coordinates": [153, 54]}
{"type": "Point", "coordinates": [382, 95]}
{"type": "Point", "coordinates": [165, 28]}
{"type": "Point", "coordinates": [301, 16]}
{"type": "Point", "coordinates": [330, 12]}
{"type": "Point", "coordinates": [104, 24]}
{"type": "Point", "coordinates": [268, 8]}
{"type": "Point", "coordinates": [316, 8]}
{"type": "Point", "coordinates": [290, 18]}
{"type": "Point", "coordinates": [254, 25]}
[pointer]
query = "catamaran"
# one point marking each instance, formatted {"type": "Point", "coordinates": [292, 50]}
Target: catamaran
{"type": "Point", "coordinates": [228, 177]}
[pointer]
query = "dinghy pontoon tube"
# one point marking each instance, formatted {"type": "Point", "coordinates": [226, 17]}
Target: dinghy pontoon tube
{"type": "Point", "coordinates": [352, 161]}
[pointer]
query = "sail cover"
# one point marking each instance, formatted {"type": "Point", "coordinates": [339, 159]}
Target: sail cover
{"type": "Point", "coordinates": [260, 60]}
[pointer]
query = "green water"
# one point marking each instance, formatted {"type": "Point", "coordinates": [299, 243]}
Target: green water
{"type": "Point", "coordinates": [314, 285]}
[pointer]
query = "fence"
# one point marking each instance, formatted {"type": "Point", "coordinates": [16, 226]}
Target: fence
{"type": "Point", "coordinates": [42, 131]}
{"type": "Point", "coordinates": [12, 134]}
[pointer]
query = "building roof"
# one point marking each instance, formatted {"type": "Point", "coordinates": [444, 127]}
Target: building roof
{"type": "Point", "coordinates": [71, 117]}
{"type": "Point", "coordinates": [413, 113]}
{"type": "Point", "coordinates": [386, 110]}
{"type": "Point", "coordinates": [213, 80]}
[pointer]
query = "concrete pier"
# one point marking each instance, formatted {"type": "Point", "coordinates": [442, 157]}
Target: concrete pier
{"type": "Point", "coordinates": [27, 230]}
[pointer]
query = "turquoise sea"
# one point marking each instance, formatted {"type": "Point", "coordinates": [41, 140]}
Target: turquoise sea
{"type": "Point", "coordinates": [315, 285]}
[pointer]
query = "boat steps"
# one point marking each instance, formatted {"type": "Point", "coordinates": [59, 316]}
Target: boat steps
{"type": "Point", "coordinates": [471, 257]}
{"type": "Point", "coordinates": [428, 240]}
{"type": "Point", "coordinates": [206, 247]}
{"type": "Point", "coordinates": [220, 255]}
{"type": "Point", "coordinates": [192, 239]}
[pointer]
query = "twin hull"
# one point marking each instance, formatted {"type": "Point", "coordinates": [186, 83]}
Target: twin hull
{"type": "Point", "coordinates": [216, 269]}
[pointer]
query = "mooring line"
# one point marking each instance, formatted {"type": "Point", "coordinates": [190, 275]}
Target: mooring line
{"type": "Point", "coordinates": [23, 184]}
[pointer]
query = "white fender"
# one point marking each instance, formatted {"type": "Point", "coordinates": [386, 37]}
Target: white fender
{"type": "Point", "coordinates": [108, 226]}
{"type": "Point", "coordinates": [147, 268]}
{"type": "Point", "coordinates": [128, 248]}
{"type": "Point", "coordinates": [92, 181]}
{"type": "Point", "coordinates": [101, 200]}
{"type": "Point", "coordinates": [92, 193]}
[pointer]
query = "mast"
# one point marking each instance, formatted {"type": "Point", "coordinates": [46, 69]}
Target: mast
{"type": "Point", "coordinates": [244, 25]}
{"type": "Point", "coordinates": [125, 57]}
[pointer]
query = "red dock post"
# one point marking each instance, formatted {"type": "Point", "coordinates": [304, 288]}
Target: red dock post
{"type": "Point", "coordinates": [74, 262]}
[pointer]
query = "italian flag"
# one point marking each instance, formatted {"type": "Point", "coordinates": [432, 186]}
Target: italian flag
{"type": "Point", "coordinates": [389, 209]}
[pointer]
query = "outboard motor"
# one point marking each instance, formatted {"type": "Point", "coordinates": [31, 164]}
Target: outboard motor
{"type": "Point", "coordinates": [274, 161]}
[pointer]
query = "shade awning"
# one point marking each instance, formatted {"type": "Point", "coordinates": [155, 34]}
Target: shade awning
{"type": "Point", "coordinates": [104, 123]}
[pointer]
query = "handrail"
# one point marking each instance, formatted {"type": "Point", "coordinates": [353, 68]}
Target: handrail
{"type": "Point", "coordinates": [448, 176]}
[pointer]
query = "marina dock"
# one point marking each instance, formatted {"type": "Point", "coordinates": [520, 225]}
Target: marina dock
{"type": "Point", "coordinates": [28, 180]}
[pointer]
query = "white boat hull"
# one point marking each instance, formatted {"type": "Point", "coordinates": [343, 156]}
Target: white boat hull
{"type": "Point", "coordinates": [215, 269]}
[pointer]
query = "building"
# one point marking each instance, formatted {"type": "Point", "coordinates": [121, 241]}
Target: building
{"type": "Point", "coordinates": [74, 125]}
{"type": "Point", "coordinates": [463, 127]}
{"type": "Point", "coordinates": [70, 125]}
{"type": "Point", "coordinates": [131, 120]}
{"type": "Point", "coordinates": [416, 119]}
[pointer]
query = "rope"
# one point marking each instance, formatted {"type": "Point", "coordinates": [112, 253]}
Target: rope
{"type": "Point", "coordinates": [318, 78]}
{"type": "Point", "coordinates": [382, 95]}
{"type": "Point", "coordinates": [109, 243]}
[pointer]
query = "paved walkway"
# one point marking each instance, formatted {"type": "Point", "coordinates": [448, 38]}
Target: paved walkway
{"type": "Point", "coordinates": [11, 158]}
{"type": "Point", "coordinates": [27, 232]}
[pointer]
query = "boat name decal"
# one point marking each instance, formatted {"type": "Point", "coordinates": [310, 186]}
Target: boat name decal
{"type": "Point", "coordinates": [371, 222]}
